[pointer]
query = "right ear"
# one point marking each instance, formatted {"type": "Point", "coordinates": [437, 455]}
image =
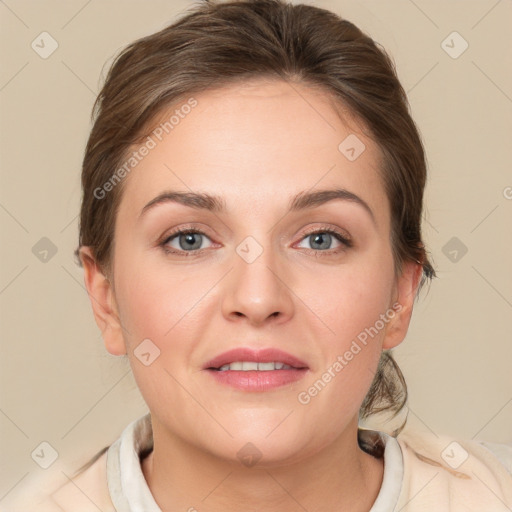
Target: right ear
{"type": "Point", "coordinates": [103, 303]}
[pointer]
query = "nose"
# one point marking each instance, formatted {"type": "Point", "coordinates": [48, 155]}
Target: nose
{"type": "Point", "coordinates": [258, 291]}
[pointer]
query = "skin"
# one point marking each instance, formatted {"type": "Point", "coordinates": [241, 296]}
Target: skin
{"type": "Point", "coordinates": [256, 145]}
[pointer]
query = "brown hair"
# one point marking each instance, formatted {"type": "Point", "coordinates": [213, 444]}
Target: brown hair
{"type": "Point", "coordinates": [219, 43]}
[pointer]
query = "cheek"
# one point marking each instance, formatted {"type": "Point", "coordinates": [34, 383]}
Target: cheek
{"type": "Point", "coordinates": [156, 307]}
{"type": "Point", "coordinates": [349, 360]}
{"type": "Point", "coordinates": [356, 308]}
{"type": "Point", "coordinates": [354, 297]}
{"type": "Point", "coordinates": [167, 310]}
{"type": "Point", "coordinates": [152, 298]}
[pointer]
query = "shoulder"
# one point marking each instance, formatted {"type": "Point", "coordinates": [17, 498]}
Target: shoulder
{"type": "Point", "coordinates": [86, 492]}
{"type": "Point", "coordinates": [460, 473]}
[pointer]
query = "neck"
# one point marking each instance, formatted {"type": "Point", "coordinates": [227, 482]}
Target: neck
{"type": "Point", "coordinates": [339, 477]}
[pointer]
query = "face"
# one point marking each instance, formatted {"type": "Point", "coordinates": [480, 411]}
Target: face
{"type": "Point", "coordinates": [265, 273]}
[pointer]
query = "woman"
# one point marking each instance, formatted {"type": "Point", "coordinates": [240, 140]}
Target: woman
{"type": "Point", "coordinates": [250, 238]}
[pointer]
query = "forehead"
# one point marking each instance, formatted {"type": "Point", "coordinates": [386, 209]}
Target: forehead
{"type": "Point", "coordinates": [256, 144]}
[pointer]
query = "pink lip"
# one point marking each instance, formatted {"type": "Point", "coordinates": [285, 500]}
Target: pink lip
{"type": "Point", "coordinates": [255, 380]}
{"type": "Point", "coordinates": [266, 355]}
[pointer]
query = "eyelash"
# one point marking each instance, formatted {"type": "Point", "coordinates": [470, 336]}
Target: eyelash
{"type": "Point", "coordinates": [345, 241]}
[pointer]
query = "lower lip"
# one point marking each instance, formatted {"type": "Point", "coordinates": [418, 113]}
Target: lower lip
{"type": "Point", "coordinates": [257, 380]}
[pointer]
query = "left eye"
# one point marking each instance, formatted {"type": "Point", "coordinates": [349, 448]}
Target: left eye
{"type": "Point", "coordinates": [324, 238]}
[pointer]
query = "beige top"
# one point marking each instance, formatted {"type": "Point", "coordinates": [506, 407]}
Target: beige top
{"type": "Point", "coordinates": [420, 474]}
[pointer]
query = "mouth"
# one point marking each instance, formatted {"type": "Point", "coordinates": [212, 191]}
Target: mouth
{"type": "Point", "coordinates": [256, 370]}
{"type": "Point", "coordinates": [247, 359]}
{"type": "Point", "coordinates": [246, 366]}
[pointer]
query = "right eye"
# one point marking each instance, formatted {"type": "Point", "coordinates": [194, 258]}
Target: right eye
{"type": "Point", "coordinates": [189, 241]}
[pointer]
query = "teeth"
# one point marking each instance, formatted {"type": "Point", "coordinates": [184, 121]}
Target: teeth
{"type": "Point", "coordinates": [253, 365]}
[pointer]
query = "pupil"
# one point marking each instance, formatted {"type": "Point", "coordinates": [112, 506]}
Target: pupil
{"type": "Point", "coordinates": [189, 237]}
{"type": "Point", "coordinates": [320, 236]}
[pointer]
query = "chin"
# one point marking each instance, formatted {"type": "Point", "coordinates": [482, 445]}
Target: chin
{"type": "Point", "coordinates": [253, 446]}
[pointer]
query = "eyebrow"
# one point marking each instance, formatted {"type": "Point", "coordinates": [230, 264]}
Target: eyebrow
{"type": "Point", "coordinates": [302, 201]}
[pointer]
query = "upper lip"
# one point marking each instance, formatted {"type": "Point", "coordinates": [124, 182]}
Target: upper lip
{"type": "Point", "coordinates": [265, 355]}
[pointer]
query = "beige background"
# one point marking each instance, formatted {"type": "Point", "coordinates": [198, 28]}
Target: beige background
{"type": "Point", "coordinates": [58, 384]}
